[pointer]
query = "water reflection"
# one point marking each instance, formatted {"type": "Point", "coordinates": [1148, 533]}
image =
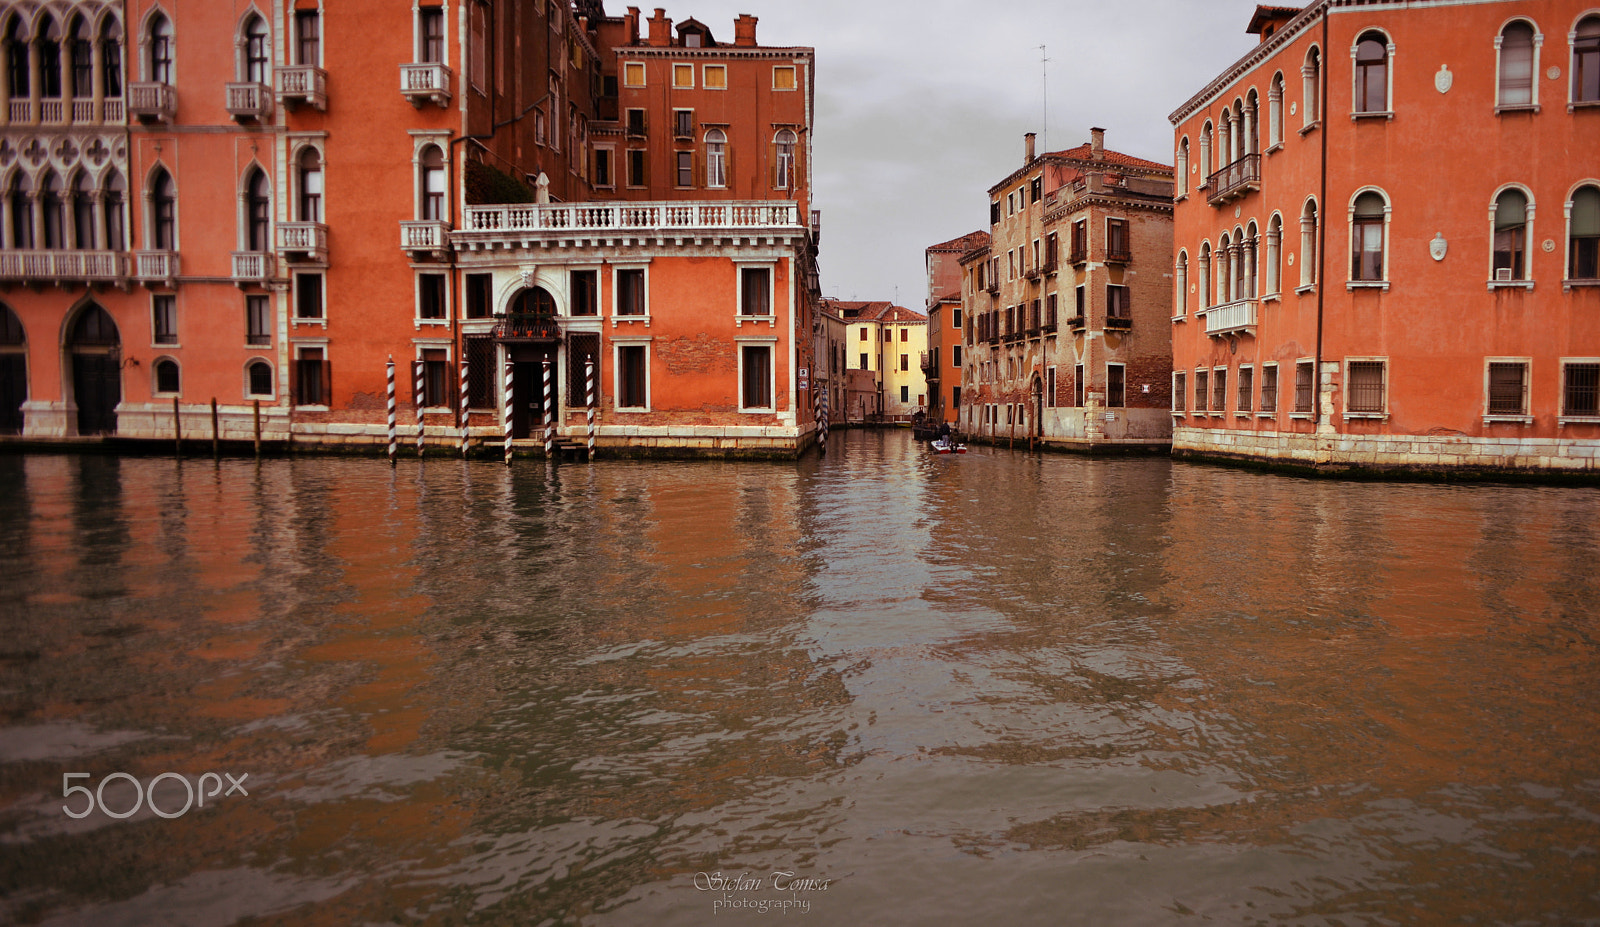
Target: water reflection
{"type": "Point", "coordinates": [1062, 689]}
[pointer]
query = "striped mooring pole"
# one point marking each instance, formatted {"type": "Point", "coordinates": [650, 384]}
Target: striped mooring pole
{"type": "Point", "coordinates": [417, 395]}
{"type": "Point", "coordinates": [508, 411]}
{"type": "Point", "coordinates": [549, 414]}
{"type": "Point", "coordinates": [393, 444]}
{"type": "Point", "coordinates": [588, 375]}
{"type": "Point", "coordinates": [822, 420]}
{"type": "Point", "coordinates": [462, 397]}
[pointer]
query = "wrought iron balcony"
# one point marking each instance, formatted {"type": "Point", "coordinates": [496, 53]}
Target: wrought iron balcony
{"type": "Point", "coordinates": [425, 83]}
{"type": "Point", "coordinates": [1077, 256]}
{"type": "Point", "coordinates": [527, 327]}
{"type": "Point", "coordinates": [303, 84]}
{"type": "Point", "coordinates": [63, 266]}
{"type": "Point", "coordinates": [1049, 268]}
{"type": "Point", "coordinates": [1230, 318]}
{"type": "Point", "coordinates": [1032, 273]}
{"type": "Point", "coordinates": [1241, 177]}
{"type": "Point", "coordinates": [152, 101]}
{"type": "Point", "coordinates": [155, 267]}
{"type": "Point", "coordinates": [249, 102]}
{"type": "Point", "coordinates": [252, 267]}
{"type": "Point", "coordinates": [1076, 323]}
{"type": "Point", "coordinates": [303, 242]}
{"type": "Point", "coordinates": [1119, 255]}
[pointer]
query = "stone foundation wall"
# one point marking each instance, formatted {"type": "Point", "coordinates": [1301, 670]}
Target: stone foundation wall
{"type": "Point", "coordinates": [1392, 452]}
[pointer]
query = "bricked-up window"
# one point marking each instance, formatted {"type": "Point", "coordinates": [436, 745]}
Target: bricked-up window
{"type": "Point", "coordinates": [1372, 74]}
{"type": "Point", "coordinates": [585, 292]}
{"type": "Point", "coordinates": [1117, 246]}
{"type": "Point", "coordinates": [260, 378]}
{"type": "Point", "coordinates": [1304, 387]}
{"type": "Point", "coordinates": [1117, 306]}
{"type": "Point", "coordinates": [430, 296]}
{"type": "Point", "coordinates": [1180, 391]}
{"type": "Point", "coordinates": [632, 377]}
{"type": "Point", "coordinates": [1508, 388]}
{"type": "Point", "coordinates": [755, 362]}
{"type": "Point", "coordinates": [481, 371]}
{"type": "Point", "coordinates": [1510, 234]}
{"type": "Point", "coordinates": [308, 296]}
{"type": "Point", "coordinates": [630, 291]}
{"type": "Point", "coordinates": [480, 289]}
{"type": "Point", "coordinates": [312, 378]}
{"type": "Point", "coordinates": [636, 167]}
{"type": "Point", "coordinates": [1516, 65]}
{"type": "Point", "coordinates": [167, 376]}
{"type": "Point", "coordinates": [1202, 397]}
{"type": "Point", "coordinates": [1583, 247]}
{"type": "Point", "coordinates": [1116, 386]}
{"type": "Point", "coordinates": [1364, 392]}
{"type": "Point", "coordinates": [257, 320]}
{"type": "Point", "coordinates": [1219, 390]}
{"type": "Point", "coordinates": [1580, 389]}
{"type": "Point", "coordinates": [164, 320]}
{"type": "Point", "coordinates": [1269, 388]}
{"type": "Point", "coordinates": [435, 377]}
{"type": "Point", "coordinates": [1077, 386]}
{"type": "Point", "coordinates": [1247, 390]}
{"type": "Point", "coordinates": [308, 38]}
{"type": "Point", "coordinates": [1586, 61]}
{"type": "Point", "coordinates": [1366, 258]}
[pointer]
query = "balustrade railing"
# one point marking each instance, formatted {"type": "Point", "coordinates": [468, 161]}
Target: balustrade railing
{"type": "Point", "coordinates": [63, 265]}
{"type": "Point", "coordinates": [561, 217]}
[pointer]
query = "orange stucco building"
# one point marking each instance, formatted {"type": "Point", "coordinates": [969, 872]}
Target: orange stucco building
{"type": "Point", "coordinates": [1386, 231]}
{"type": "Point", "coordinates": [263, 203]}
{"type": "Point", "coordinates": [941, 363]}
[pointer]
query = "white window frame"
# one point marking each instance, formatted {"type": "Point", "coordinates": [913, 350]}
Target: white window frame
{"type": "Point", "coordinates": [1238, 381]}
{"type": "Point", "coordinates": [617, 344]}
{"type": "Point", "coordinates": [611, 163]}
{"type": "Point", "coordinates": [740, 342]}
{"type": "Point", "coordinates": [1345, 390]}
{"type": "Point", "coordinates": [1525, 417]}
{"type": "Point", "coordinates": [1313, 71]}
{"type": "Point", "coordinates": [271, 394]}
{"type": "Point", "coordinates": [156, 392]}
{"type": "Point", "coordinates": [418, 345]}
{"type": "Point", "coordinates": [771, 316]}
{"type": "Point", "coordinates": [1277, 391]}
{"type": "Point", "coordinates": [618, 318]}
{"type": "Point", "coordinates": [1573, 103]}
{"type": "Point", "coordinates": [297, 348]}
{"type": "Point", "coordinates": [716, 179]}
{"type": "Point", "coordinates": [1526, 280]}
{"type": "Point", "coordinates": [794, 81]}
{"type": "Point", "coordinates": [322, 299]}
{"type": "Point", "coordinates": [1382, 283]}
{"type": "Point", "coordinates": [1179, 399]}
{"type": "Point", "coordinates": [1294, 389]}
{"type": "Point", "coordinates": [627, 69]}
{"type": "Point", "coordinates": [421, 139]}
{"type": "Point", "coordinates": [705, 80]}
{"type": "Point", "coordinates": [1538, 46]}
{"type": "Point", "coordinates": [417, 41]}
{"type": "Point", "coordinates": [681, 66]}
{"type": "Point", "coordinates": [1276, 88]}
{"type": "Point", "coordinates": [1561, 402]}
{"type": "Point", "coordinates": [417, 321]}
{"type": "Point", "coordinates": [1227, 390]}
{"type": "Point", "coordinates": [1388, 75]}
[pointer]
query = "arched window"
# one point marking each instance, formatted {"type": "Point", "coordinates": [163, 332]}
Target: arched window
{"type": "Point", "coordinates": [1227, 135]}
{"type": "Point", "coordinates": [1308, 244]}
{"type": "Point", "coordinates": [1510, 235]}
{"type": "Point", "coordinates": [1248, 261]}
{"type": "Point", "coordinates": [260, 378]}
{"type": "Point", "coordinates": [1583, 235]}
{"type": "Point", "coordinates": [163, 212]}
{"type": "Point", "coordinates": [1204, 267]}
{"type": "Point", "coordinates": [1586, 61]}
{"type": "Point", "coordinates": [17, 54]}
{"type": "Point", "coordinates": [1273, 271]}
{"type": "Point", "coordinates": [1311, 87]}
{"type": "Point", "coordinates": [50, 59]}
{"type": "Point", "coordinates": [783, 163]}
{"type": "Point", "coordinates": [1252, 124]}
{"type": "Point", "coordinates": [1368, 216]}
{"type": "Point", "coordinates": [1516, 84]}
{"type": "Point", "coordinates": [160, 49]}
{"type": "Point", "coordinates": [258, 212]}
{"type": "Point", "coordinates": [22, 213]}
{"type": "Point", "coordinates": [83, 212]}
{"type": "Point", "coordinates": [1181, 174]}
{"type": "Point", "coordinates": [116, 218]}
{"type": "Point", "coordinates": [167, 379]}
{"type": "Point", "coordinates": [53, 212]}
{"type": "Point", "coordinates": [1372, 74]}
{"type": "Point", "coordinates": [433, 184]}
{"type": "Point", "coordinates": [257, 63]}
{"type": "Point", "coordinates": [1275, 111]}
{"type": "Point", "coordinates": [310, 177]}
{"type": "Point", "coordinates": [1180, 273]}
{"type": "Point", "coordinates": [1225, 278]}
{"type": "Point", "coordinates": [1205, 153]}
{"type": "Point", "coordinates": [716, 158]}
{"type": "Point", "coordinates": [82, 52]}
{"type": "Point", "coordinates": [534, 302]}
{"type": "Point", "coordinates": [111, 58]}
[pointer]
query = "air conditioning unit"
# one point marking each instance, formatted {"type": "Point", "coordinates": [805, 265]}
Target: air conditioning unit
{"type": "Point", "coordinates": [1502, 274]}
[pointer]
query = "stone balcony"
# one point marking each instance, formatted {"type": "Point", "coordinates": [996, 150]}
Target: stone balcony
{"type": "Point", "coordinates": [303, 84]}
{"type": "Point", "coordinates": [63, 266]}
{"type": "Point", "coordinates": [1236, 317]}
{"type": "Point", "coordinates": [155, 268]}
{"type": "Point", "coordinates": [249, 102]}
{"type": "Point", "coordinates": [152, 101]}
{"type": "Point", "coordinates": [425, 83]}
{"type": "Point", "coordinates": [302, 242]}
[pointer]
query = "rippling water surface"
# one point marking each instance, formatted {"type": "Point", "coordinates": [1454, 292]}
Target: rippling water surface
{"type": "Point", "coordinates": [921, 690]}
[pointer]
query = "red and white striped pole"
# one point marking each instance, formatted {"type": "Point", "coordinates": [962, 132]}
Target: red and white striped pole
{"type": "Point", "coordinates": [462, 396]}
{"type": "Point", "coordinates": [393, 445]}
{"type": "Point", "coordinates": [588, 375]}
{"type": "Point", "coordinates": [508, 411]}
{"type": "Point", "coordinates": [549, 414]}
{"type": "Point", "coordinates": [418, 396]}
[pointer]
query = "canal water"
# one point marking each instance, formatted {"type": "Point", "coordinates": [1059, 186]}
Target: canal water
{"type": "Point", "coordinates": [877, 688]}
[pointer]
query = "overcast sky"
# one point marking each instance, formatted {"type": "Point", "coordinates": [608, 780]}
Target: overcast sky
{"type": "Point", "coordinates": [922, 104]}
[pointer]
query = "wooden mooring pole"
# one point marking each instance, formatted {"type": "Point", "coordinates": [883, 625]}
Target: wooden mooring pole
{"type": "Point", "coordinates": [216, 434]}
{"type": "Point", "coordinates": [177, 429]}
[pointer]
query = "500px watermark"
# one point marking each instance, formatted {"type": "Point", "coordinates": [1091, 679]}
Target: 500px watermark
{"type": "Point", "coordinates": [745, 893]}
{"type": "Point", "coordinates": [196, 793]}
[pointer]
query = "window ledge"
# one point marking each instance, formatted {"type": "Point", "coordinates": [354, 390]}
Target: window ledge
{"type": "Point", "coordinates": [1583, 104]}
{"type": "Point", "coordinates": [1267, 415]}
{"type": "Point", "coordinates": [165, 346]}
{"type": "Point", "coordinates": [619, 319]}
{"type": "Point", "coordinates": [1271, 297]}
{"type": "Point", "coordinates": [1303, 290]}
{"type": "Point", "coordinates": [1510, 284]}
{"type": "Point", "coordinates": [739, 320]}
{"type": "Point", "coordinates": [1367, 285]}
{"type": "Point", "coordinates": [418, 323]}
{"type": "Point", "coordinates": [1301, 415]}
{"type": "Point", "coordinates": [1180, 318]}
{"type": "Point", "coordinates": [1567, 285]}
{"type": "Point", "coordinates": [1383, 114]}
{"type": "Point", "coordinates": [311, 408]}
{"type": "Point", "coordinates": [1275, 146]}
{"type": "Point", "coordinates": [1179, 413]}
{"type": "Point", "coordinates": [1516, 108]}
{"type": "Point", "coordinates": [1372, 416]}
{"type": "Point", "coordinates": [1181, 197]}
{"type": "Point", "coordinates": [1244, 413]}
{"type": "Point", "coordinates": [1578, 420]}
{"type": "Point", "coordinates": [1310, 127]}
{"type": "Point", "coordinates": [322, 322]}
{"type": "Point", "coordinates": [1508, 419]}
{"type": "Point", "coordinates": [631, 409]}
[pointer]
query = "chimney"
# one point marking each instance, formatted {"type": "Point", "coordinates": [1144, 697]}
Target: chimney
{"type": "Point", "coordinates": [744, 31]}
{"type": "Point", "coordinates": [1027, 148]}
{"type": "Point", "coordinates": [633, 25]}
{"type": "Point", "coordinates": [1097, 143]}
{"type": "Point", "coordinates": [660, 29]}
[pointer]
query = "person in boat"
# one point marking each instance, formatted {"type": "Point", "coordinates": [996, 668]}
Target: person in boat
{"type": "Point", "coordinates": [944, 432]}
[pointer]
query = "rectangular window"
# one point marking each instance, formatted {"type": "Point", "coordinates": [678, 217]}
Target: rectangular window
{"type": "Point", "coordinates": [955, 398]}
{"type": "Point", "coordinates": [1247, 389]}
{"type": "Point", "coordinates": [164, 320]}
{"type": "Point", "coordinates": [430, 296]}
{"type": "Point", "coordinates": [430, 30]}
{"type": "Point", "coordinates": [477, 51]}
{"type": "Point", "coordinates": [602, 167]}
{"type": "Point", "coordinates": [1116, 386]}
{"type": "Point", "coordinates": [755, 291]}
{"type": "Point", "coordinates": [905, 362]}
{"type": "Point", "coordinates": [783, 78]}
{"type": "Point", "coordinates": [1117, 247]}
{"type": "Point", "coordinates": [585, 292]}
{"type": "Point", "coordinates": [683, 124]}
{"type": "Point", "coordinates": [435, 378]}
{"type": "Point", "coordinates": [1364, 393]}
{"type": "Point", "coordinates": [308, 38]}
{"type": "Point", "coordinates": [480, 290]}
{"type": "Point", "coordinates": [1035, 189]}
{"type": "Point", "coordinates": [756, 390]}
{"type": "Point", "coordinates": [1180, 395]}
{"type": "Point", "coordinates": [716, 77]}
{"type": "Point", "coordinates": [1580, 390]}
{"type": "Point", "coordinates": [1117, 303]}
{"type": "Point", "coordinates": [1219, 389]}
{"type": "Point", "coordinates": [955, 317]}
{"type": "Point", "coordinates": [311, 386]}
{"type": "Point", "coordinates": [1082, 307]}
{"type": "Point", "coordinates": [1304, 387]}
{"type": "Point", "coordinates": [1050, 387]}
{"type": "Point", "coordinates": [633, 74]}
{"type": "Point", "coordinates": [308, 296]}
{"type": "Point", "coordinates": [636, 175]}
{"type": "Point", "coordinates": [1202, 397]}
{"type": "Point", "coordinates": [630, 292]}
{"type": "Point", "coordinates": [1508, 388]}
{"type": "Point", "coordinates": [632, 371]}
{"type": "Point", "coordinates": [1077, 386]}
{"type": "Point", "coordinates": [1269, 388]}
{"type": "Point", "coordinates": [257, 320]}
{"type": "Point", "coordinates": [955, 357]}
{"type": "Point", "coordinates": [685, 168]}
{"type": "Point", "coordinates": [683, 75]}
{"type": "Point", "coordinates": [635, 119]}
{"type": "Point", "coordinates": [863, 362]}
{"type": "Point", "coordinates": [1080, 241]}
{"type": "Point", "coordinates": [905, 395]}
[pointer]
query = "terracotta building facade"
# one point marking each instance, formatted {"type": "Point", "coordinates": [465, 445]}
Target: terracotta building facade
{"type": "Point", "coordinates": [941, 363]}
{"type": "Point", "coordinates": [1067, 334]}
{"type": "Point", "coordinates": [530, 209]}
{"type": "Point", "coordinates": [1386, 234]}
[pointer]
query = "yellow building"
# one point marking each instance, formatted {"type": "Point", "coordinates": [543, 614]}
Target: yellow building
{"type": "Point", "coordinates": [886, 343]}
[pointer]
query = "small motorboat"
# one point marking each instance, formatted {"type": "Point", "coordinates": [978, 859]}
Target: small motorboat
{"type": "Point", "coordinates": [947, 446]}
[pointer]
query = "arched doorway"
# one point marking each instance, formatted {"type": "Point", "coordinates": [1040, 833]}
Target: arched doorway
{"type": "Point", "coordinates": [95, 351]}
{"type": "Point", "coordinates": [532, 338]}
{"type": "Point", "coordinates": [1036, 404]}
{"type": "Point", "coordinates": [13, 371]}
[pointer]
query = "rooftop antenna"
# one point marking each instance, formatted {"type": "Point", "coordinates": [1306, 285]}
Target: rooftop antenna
{"type": "Point", "coordinates": [1044, 68]}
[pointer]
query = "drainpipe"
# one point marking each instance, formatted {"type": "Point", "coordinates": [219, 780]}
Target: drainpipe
{"type": "Point", "coordinates": [1322, 230]}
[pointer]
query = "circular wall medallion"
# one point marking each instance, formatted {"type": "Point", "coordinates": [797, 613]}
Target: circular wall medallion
{"type": "Point", "coordinates": [1554, 73]}
{"type": "Point", "coordinates": [1290, 258]}
{"type": "Point", "coordinates": [1236, 212]}
{"type": "Point", "coordinates": [1292, 108]}
{"type": "Point", "coordinates": [1443, 79]}
{"type": "Point", "coordinates": [1549, 246]}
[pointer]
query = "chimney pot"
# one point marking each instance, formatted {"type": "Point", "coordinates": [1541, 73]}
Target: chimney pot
{"type": "Point", "coordinates": [1097, 143]}
{"type": "Point", "coordinates": [744, 31]}
{"type": "Point", "coordinates": [1027, 148]}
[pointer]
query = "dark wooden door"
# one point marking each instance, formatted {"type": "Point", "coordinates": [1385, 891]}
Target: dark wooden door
{"type": "Point", "coordinates": [97, 385]}
{"type": "Point", "coordinates": [13, 392]}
